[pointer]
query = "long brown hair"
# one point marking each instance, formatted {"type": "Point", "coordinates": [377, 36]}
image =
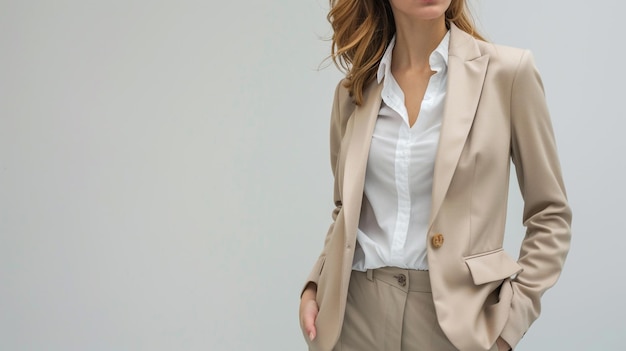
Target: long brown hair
{"type": "Point", "coordinates": [362, 29]}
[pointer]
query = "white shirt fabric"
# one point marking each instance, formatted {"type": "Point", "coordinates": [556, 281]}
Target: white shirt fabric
{"type": "Point", "coordinates": [397, 194]}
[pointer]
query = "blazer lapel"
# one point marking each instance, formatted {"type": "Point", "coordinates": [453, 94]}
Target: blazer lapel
{"type": "Point", "coordinates": [363, 121]}
{"type": "Point", "coordinates": [466, 74]}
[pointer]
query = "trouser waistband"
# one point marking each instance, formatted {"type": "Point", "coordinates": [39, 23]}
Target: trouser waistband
{"type": "Point", "coordinates": [406, 279]}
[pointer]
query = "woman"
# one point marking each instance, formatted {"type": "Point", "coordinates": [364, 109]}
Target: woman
{"type": "Point", "coordinates": [423, 129]}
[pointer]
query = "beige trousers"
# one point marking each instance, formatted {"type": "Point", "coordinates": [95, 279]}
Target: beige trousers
{"type": "Point", "coordinates": [391, 309]}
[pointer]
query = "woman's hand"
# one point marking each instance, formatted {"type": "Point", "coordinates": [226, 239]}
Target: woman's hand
{"type": "Point", "coordinates": [502, 345]}
{"type": "Point", "coordinates": [308, 311]}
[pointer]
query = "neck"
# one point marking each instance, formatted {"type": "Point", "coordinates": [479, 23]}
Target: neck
{"type": "Point", "coordinates": [415, 41]}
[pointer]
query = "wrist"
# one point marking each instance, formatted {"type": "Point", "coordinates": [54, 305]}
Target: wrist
{"type": "Point", "coordinates": [310, 291]}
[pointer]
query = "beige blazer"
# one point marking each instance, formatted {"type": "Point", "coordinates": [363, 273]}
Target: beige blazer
{"type": "Point", "coordinates": [495, 111]}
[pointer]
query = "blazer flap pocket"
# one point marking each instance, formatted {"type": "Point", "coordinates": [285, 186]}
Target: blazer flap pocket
{"type": "Point", "coordinates": [492, 266]}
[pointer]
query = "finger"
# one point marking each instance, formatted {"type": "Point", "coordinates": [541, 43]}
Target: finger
{"type": "Point", "coordinates": [309, 323]}
{"type": "Point", "coordinates": [311, 332]}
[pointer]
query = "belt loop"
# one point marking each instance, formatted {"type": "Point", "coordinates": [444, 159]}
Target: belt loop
{"type": "Point", "coordinates": [370, 275]}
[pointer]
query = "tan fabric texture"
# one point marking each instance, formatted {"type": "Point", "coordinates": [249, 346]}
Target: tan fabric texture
{"type": "Point", "coordinates": [391, 309]}
{"type": "Point", "coordinates": [495, 114]}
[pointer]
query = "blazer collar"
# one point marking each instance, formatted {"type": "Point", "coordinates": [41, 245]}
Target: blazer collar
{"type": "Point", "coordinates": [362, 123]}
{"type": "Point", "coordinates": [463, 45]}
{"type": "Point", "coordinates": [467, 68]}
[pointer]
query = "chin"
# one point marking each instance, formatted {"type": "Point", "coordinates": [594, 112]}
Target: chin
{"type": "Point", "coordinates": [421, 9]}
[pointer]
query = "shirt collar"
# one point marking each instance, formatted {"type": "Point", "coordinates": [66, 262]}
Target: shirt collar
{"type": "Point", "coordinates": [438, 58]}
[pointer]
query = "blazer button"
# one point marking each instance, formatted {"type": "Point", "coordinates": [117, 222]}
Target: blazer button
{"type": "Point", "coordinates": [437, 240]}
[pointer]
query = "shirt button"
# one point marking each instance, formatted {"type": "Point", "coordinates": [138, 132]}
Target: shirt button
{"type": "Point", "coordinates": [437, 240]}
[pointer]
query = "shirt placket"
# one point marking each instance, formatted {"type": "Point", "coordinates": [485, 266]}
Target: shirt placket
{"type": "Point", "coordinates": [402, 162]}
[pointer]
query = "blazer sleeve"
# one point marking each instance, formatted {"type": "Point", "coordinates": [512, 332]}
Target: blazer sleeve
{"type": "Point", "coordinates": [337, 128]}
{"type": "Point", "coordinates": [547, 215]}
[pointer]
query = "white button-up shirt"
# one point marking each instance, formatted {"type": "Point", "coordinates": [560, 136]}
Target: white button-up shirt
{"type": "Point", "coordinates": [397, 195]}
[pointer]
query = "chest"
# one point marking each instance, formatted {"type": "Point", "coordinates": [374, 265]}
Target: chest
{"type": "Point", "coordinates": [413, 86]}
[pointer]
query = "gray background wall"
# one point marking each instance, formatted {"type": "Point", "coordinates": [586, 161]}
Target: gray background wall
{"type": "Point", "coordinates": [164, 175]}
